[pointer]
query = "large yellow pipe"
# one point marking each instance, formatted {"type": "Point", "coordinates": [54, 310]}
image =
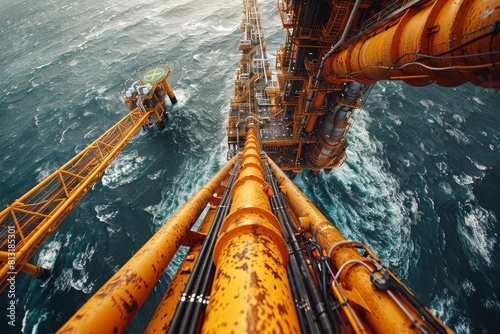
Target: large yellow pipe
{"type": "Point", "coordinates": [114, 305]}
{"type": "Point", "coordinates": [383, 315]}
{"type": "Point", "coordinates": [251, 292]}
{"type": "Point", "coordinates": [432, 29]}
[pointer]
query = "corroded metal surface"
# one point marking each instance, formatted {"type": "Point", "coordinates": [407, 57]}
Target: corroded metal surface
{"type": "Point", "coordinates": [251, 291]}
{"type": "Point", "coordinates": [377, 308]}
{"type": "Point", "coordinates": [114, 305]}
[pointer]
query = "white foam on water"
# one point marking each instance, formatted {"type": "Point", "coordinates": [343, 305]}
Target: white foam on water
{"type": "Point", "coordinates": [23, 322]}
{"type": "Point", "coordinates": [82, 259]}
{"type": "Point", "coordinates": [183, 96]}
{"type": "Point", "coordinates": [459, 118]}
{"type": "Point", "coordinates": [44, 171]}
{"type": "Point", "coordinates": [123, 170]}
{"type": "Point", "coordinates": [478, 165]}
{"type": "Point", "coordinates": [106, 213]}
{"type": "Point", "coordinates": [446, 188]}
{"type": "Point", "coordinates": [443, 167]}
{"type": "Point", "coordinates": [460, 137]}
{"type": "Point", "coordinates": [476, 230]}
{"type": "Point", "coordinates": [82, 284]}
{"type": "Point", "coordinates": [41, 318]}
{"type": "Point", "coordinates": [477, 100]}
{"type": "Point", "coordinates": [226, 28]}
{"type": "Point", "coordinates": [90, 133]}
{"type": "Point", "coordinates": [427, 104]}
{"type": "Point", "coordinates": [378, 199]}
{"type": "Point", "coordinates": [464, 179]}
{"type": "Point", "coordinates": [103, 214]}
{"type": "Point", "coordinates": [63, 281]}
{"type": "Point", "coordinates": [195, 174]}
{"type": "Point", "coordinates": [154, 176]}
{"type": "Point", "coordinates": [444, 306]}
{"type": "Point", "coordinates": [48, 254]}
{"type": "Point", "coordinates": [468, 287]}
{"type": "Point", "coordinates": [491, 303]}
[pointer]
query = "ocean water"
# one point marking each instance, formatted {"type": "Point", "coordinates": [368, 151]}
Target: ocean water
{"type": "Point", "coordinates": [421, 185]}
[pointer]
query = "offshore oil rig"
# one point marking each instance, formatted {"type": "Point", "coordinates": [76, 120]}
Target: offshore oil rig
{"type": "Point", "coordinates": [264, 258]}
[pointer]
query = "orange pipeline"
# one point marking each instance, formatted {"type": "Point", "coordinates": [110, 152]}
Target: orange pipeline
{"type": "Point", "coordinates": [378, 309]}
{"type": "Point", "coordinates": [251, 292]}
{"type": "Point", "coordinates": [114, 305]}
{"type": "Point", "coordinates": [461, 36]}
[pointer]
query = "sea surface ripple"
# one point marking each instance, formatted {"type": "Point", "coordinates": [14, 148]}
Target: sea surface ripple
{"type": "Point", "coordinates": [420, 186]}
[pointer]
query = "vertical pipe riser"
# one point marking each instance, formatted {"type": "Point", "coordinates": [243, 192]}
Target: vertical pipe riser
{"type": "Point", "coordinates": [334, 128]}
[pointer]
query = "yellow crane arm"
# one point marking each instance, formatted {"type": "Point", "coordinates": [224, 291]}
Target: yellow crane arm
{"type": "Point", "coordinates": [31, 219]}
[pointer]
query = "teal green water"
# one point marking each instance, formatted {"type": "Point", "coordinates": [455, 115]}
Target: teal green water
{"type": "Point", "coordinates": [420, 187]}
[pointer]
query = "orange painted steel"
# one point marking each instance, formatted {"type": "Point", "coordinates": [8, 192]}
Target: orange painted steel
{"type": "Point", "coordinates": [165, 310]}
{"type": "Point", "coordinates": [112, 307]}
{"type": "Point", "coordinates": [37, 214]}
{"type": "Point", "coordinates": [317, 102]}
{"type": "Point", "coordinates": [444, 30]}
{"type": "Point", "coordinates": [166, 307]}
{"type": "Point", "coordinates": [378, 310]}
{"type": "Point", "coordinates": [251, 291]}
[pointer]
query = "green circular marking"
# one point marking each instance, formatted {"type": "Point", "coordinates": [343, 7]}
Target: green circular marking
{"type": "Point", "coordinates": [154, 75]}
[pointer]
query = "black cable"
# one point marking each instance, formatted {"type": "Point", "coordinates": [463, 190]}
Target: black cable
{"type": "Point", "coordinates": [323, 277]}
{"type": "Point", "coordinates": [320, 307]}
{"type": "Point", "coordinates": [312, 261]}
{"type": "Point", "coordinates": [208, 267]}
{"type": "Point", "coordinates": [307, 321]}
{"type": "Point", "coordinates": [187, 311]}
{"type": "Point", "coordinates": [494, 31]}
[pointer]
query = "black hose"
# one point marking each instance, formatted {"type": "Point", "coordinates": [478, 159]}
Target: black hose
{"type": "Point", "coordinates": [303, 308]}
{"type": "Point", "coordinates": [319, 306]}
{"type": "Point", "coordinates": [387, 282]}
{"type": "Point", "coordinates": [199, 280]}
{"type": "Point", "coordinates": [306, 317]}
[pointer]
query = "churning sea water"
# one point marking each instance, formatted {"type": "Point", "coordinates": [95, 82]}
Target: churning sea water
{"type": "Point", "coordinates": [421, 185]}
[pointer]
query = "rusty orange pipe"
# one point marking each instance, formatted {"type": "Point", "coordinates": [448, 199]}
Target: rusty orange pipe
{"type": "Point", "coordinates": [430, 29]}
{"type": "Point", "coordinates": [380, 311]}
{"type": "Point", "coordinates": [114, 305]}
{"type": "Point", "coordinates": [251, 292]}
